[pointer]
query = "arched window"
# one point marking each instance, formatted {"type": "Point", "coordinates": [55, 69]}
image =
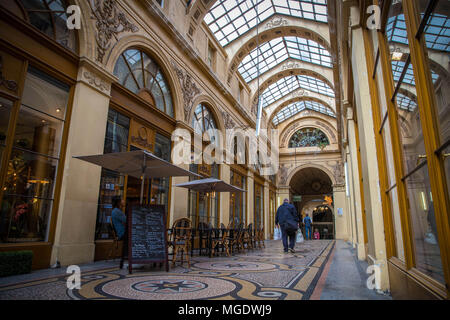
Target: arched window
{"type": "Point", "coordinates": [50, 17]}
{"type": "Point", "coordinates": [309, 137]}
{"type": "Point", "coordinates": [140, 74]}
{"type": "Point", "coordinates": [203, 121]}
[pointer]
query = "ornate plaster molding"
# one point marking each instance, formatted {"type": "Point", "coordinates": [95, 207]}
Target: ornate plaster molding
{"type": "Point", "coordinates": [188, 87]}
{"type": "Point", "coordinates": [276, 22]}
{"type": "Point", "coordinates": [110, 22]}
{"type": "Point", "coordinates": [9, 84]}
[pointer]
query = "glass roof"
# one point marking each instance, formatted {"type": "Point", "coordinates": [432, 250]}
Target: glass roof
{"type": "Point", "coordinates": [295, 108]}
{"type": "Point", "coordinates": [437, 31]}
{"type": "Point", "coordinates": [229, 19]}
{"type": "Point", "coordinates": [278, 50]}
{"type": "Point", "coordinates": [397, 69]}
{"type": "Point", "coordinates": [405, 103]}
{"type": "Point", "coordinates": [289, 84]}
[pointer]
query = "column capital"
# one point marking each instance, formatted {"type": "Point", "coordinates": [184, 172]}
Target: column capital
{"type": "Point", "coordinates": [96, 77]}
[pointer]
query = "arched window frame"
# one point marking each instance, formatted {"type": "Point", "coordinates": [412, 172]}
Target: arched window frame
{"type": "Point", "coordinates": [325, 141]}
{"type": "Point", "coordinates": [144, 77]}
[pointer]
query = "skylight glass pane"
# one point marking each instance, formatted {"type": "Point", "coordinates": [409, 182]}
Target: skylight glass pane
{"type": "Point", "coordinates": [287, 85]}
{"type": "Point", "coordinates": [279, 50]}
{"type": "Point", "coordinates": [240, 15]}
{"type": "Point", "coordinates": [295, 108]}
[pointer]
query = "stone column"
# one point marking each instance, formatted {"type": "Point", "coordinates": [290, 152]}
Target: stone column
{"type": "Point", "coordinates": [372, 197]}
{"type": "Point", "coordinates": [266, 209]}
{"type": "Point", "coordinates": [77, 212]}
{"type": "Point", "coordinates": [224, 206]}
{"type": "Point", "coordinates": [340, 221]}
{"type": "Point", "coordinates": [250, 197]}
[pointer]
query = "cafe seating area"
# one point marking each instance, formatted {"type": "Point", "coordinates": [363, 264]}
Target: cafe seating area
{"type": "Point", "coordinates": [184, 240]}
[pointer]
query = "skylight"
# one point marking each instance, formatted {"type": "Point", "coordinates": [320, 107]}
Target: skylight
{"type": "Point", "coordinates": [437, 31]}
{"type": "Point", "coordinates": [295, 108]}
{"type": "Point", "coordinates": [229, 19]}
{"type": "Point", "coordinates": [405, 103]}
{"type": "Point", "coordinates": [278, 50]}
{"type": "Point", "coordinates": [289, 84]}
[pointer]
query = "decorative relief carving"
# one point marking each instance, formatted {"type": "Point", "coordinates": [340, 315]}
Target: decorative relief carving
{"type": "Point", "coordinates": [228, 121]}
{"type": "Point", "coordinates": [189, 89]}
{"type": "Point", "coordinates": [9, 84]}
{"type": "Point", "coordinates": [110, 22]}
{"type": "Point", "coordinates": [95, 81]}
{"type": "Point", "coordinates": [290, 65]}
{"type": "Point", "coordinates": [338, 172]}
{"type": "Point", "coordinates": [300, 93]}
{"type": "Point", "coordinates": [276, 22]}
{"type": "Point", "coordinates": [283, 176]}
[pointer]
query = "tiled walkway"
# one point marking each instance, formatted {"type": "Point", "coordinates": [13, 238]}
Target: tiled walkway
{"type": "Point", "coordinates": [266, 274]}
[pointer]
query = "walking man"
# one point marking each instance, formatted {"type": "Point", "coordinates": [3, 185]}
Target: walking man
{"type": "Point", "coordinates": [287, 219]}
{"type": "Point", "coordinates": [307, 222]}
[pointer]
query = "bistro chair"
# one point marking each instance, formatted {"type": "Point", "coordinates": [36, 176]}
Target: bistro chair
{"type": "Point", "coordinates": [204, 231]}
{"type": "Point", "coordinates": [240, 237]}
{"type": "Point", "coordinates": [222, 240]}
{"type": "Point", "coordinates": [260, 237]}
{"type": "Point", "coordinates": [247, 239]}
{"type": "Point", "coordinates": [181, 236]}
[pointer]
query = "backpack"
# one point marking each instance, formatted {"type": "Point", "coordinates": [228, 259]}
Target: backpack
{"type": "Point", "coordinates": [290, 226]}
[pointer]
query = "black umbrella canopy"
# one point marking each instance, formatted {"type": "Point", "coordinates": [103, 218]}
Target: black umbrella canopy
{"type": "Point", "coordinates": [210, 185]}
{"type": "Point", "coordinates": [136, 163]}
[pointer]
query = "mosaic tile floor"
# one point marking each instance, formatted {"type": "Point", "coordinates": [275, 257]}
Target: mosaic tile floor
{"type": "Point", "coordinates": [266, 274]}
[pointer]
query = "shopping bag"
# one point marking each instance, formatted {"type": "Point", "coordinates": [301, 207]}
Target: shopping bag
{"type": "Point", "coordinates": [276, 233]}
{"type": "Point", "coordinates": [299, 237]}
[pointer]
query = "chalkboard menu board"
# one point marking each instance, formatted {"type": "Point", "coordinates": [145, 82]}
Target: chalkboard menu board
{"type": "Point", "coordinates": [147, 235]}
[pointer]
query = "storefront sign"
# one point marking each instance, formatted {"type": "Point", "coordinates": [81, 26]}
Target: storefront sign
{"type": "Point", "coordinates": [141, 136]}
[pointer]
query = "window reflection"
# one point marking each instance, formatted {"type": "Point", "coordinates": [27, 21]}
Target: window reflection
{"type": "Point", "coordinates": [33, 163]}
{"type": "Point", "coordinates": [428, 258]}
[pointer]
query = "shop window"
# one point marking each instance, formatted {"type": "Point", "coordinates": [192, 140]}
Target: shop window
{"type": "Point", "coordinates": [259, 206]}
{"type": "Point", "coordinates": [28, 191]}
{"type": "Point", "coordinates": [140, 74]}
{"type": "Point", "coordinates": [112, 184]}
{"type": "Point", "coordinates": [238, 199]}
{"type": "Point", "coordinates": [309, 137]}
{"type": "Point", "coordinates": [203, 207]}
{"type": "Point", "coordinates": [416, 175]}
{"type": "Point", "coordinates": [50, 17]}
{"type": "Point", "coordinates": [5, 113]}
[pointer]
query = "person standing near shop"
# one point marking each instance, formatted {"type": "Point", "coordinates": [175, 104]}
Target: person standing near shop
{"type": "Point", "coordinates": [307, 222]}
{"type": "Point", "coordinates": [287, 219]}
{"type": "Point", "coordinates": [119, 219]}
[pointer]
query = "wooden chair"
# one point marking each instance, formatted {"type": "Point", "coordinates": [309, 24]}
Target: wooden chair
{"type": "Point", "coordinates": [222, 240]}
{"type": "Point", "coordinates": [247, 239]}
{"type": "Point", "coordinates": [204, 231]}
{"type": "Point", "coordinates": [240, 237]}
{"type": "Point", "coordinates": [181, 239]}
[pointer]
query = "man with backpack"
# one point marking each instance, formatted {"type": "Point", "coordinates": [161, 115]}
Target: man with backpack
{"type": "Point", "coordinates": [287, 219]}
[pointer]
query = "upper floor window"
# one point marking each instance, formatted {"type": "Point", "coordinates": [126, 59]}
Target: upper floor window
{"type": "Point", "coordinates": [50, 17]}
{"type": "Point", "coordinates": [203, 121]}
{"type": "Point", "coordinates": [140, 74]}
{"type": "Point", "coordinates": [309, 137]}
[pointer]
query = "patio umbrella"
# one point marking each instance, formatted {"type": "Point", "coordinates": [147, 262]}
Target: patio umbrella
{"type": "Point", "coordinates": [209, 185]}
{"type": "Point", "coordinates": [139, 163]}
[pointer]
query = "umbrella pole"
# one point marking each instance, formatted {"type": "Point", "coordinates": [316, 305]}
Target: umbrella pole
{"type": "Point", "coordinates": [143, 179]}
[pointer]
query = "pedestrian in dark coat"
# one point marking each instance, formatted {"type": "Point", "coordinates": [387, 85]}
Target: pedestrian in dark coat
{"type": "Point", "coordinates": [287, 219]}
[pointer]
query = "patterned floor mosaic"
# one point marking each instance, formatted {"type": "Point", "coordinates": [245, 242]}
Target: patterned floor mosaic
{"type": "Point", "coordinates": [266, 274]}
